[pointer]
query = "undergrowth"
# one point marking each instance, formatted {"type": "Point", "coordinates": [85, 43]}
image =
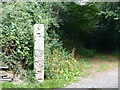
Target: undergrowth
{"type": "Point", "coordinates": [18, 43]}
{"type": "Point", "coordinates": [46, 84]}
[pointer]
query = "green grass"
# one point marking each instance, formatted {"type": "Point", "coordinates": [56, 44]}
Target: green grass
{"type": "Point", "coordinates": [102, 67]}
{"type": "Point", "coordinates": [116, 54]}
{"type": "Point", "coordinates": [109, 60]}
{"type": "Point", "coordinates": [45, 84]}
{"type": "Point", "coordinates": [103, 56]}
{"type": "Point", "coordinates": [85, 64]}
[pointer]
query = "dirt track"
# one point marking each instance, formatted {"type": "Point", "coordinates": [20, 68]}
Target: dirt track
{"type": "Point", "coordinates": [106, 79]}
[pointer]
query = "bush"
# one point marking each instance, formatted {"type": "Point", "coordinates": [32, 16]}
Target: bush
{"type": "Point", "coordinates": [17, 41]}
{"type": "Point", "coordinates": [87, 53]}
{"type": "Point", "coordinates": [17, 32]}
{"type": "Point", "coordinates": [61, 64]}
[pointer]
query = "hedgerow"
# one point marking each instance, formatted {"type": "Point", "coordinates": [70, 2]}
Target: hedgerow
{"type": "Point", "coordinates": [17, 40]}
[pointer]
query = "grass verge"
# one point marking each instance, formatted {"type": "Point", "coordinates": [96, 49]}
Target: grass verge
{"type": "Point", "coordinates": [46, 84]}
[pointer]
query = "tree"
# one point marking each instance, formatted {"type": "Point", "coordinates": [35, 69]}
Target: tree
{"type": "Point", "coordinates": [105, 35]}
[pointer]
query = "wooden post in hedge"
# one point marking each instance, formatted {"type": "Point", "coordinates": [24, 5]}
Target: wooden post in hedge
{"type": "Point", "coordinates": [39, 52]}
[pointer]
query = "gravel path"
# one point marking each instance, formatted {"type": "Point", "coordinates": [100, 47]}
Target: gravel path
{"type": "Point", "coordinates": [106, 79]}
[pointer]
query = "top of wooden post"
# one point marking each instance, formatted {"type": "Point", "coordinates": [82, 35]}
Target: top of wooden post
{"type": "Point", "coordinates": [38, 24]}
{"type": "Point", "coordinates": [39, 30]}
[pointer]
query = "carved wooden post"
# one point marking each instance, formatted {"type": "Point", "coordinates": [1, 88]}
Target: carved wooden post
{"type": "Point", "coordinates": [39, 52]}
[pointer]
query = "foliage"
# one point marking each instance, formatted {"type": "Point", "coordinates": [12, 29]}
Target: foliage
{"type": "Point", "coordinates": [116, 54]}
{"type": "Point", "coordinates": [77, 22]}
{"type": "Point", "coordinates": [60, 65]}
{"type": "Point", "coordinates": [17, 41]}
{"type": "Point", "coordinates": [17, 32]}
{"type": "Point", "coordinates": [105, 36]}
{"type": "Point", "coordinates": [87, 52]}
{"type": "Point", "coordinates": [69, 28]}
{"type": "Point", "coordinates": [77, 18]}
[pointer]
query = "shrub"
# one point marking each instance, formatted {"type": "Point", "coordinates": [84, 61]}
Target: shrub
{"type": "Point", "coordinates": [17, 32]}
{"type": "Point", "coordinates": [87, 53]}
{"type": "Point", "coordinates": [61, 64]}
{"type": "Point", "coordinates": [17, 40]}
